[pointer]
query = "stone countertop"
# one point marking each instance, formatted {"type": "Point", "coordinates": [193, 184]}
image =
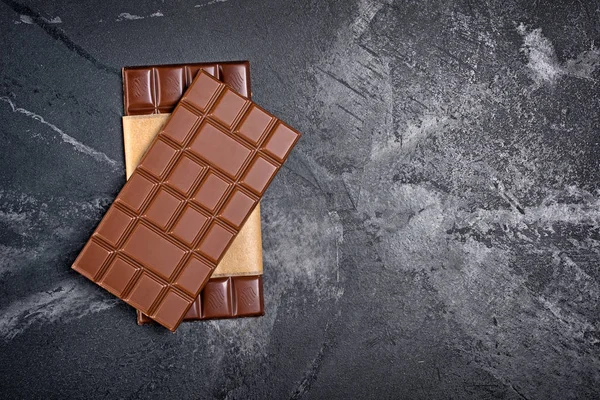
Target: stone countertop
{"type": "Point", "coordinates": [435, 234]}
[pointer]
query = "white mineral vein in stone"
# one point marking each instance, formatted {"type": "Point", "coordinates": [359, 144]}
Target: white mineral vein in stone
{"type": "Point", "coordinates": [133, 17]}
{"type": "Point", "coordinates": [68, 301]}
{"type": "Point", "coordinates": [210, 3]}
{"type": "Point", "coordinates": [77, 145]}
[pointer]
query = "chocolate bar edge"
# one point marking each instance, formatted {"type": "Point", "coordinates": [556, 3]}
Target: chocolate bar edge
{"type": "Point", "coordinates": [137, 67]}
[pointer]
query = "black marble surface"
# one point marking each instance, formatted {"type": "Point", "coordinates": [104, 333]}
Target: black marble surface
{"type": "Point", "coordinates": [435, 234]}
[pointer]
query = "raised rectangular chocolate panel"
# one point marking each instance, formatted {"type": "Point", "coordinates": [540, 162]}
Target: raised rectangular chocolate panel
{"type": "Point", "coordinates": [185, 174]}
{"type": "Point", "coordinates": [120, 273]}
{"type": "Point", "coordinates": [236, 208]}
{"type": "Point", "coordinates": [212, 190]}
{"type": "Point", "coordinates": [227, 108]}
{"type": "Point", "coordinates": [258, 174]}
{"type": "Point", "coordinates": [254, 125]}
{"type": "Point", "coordinates": [140, 95]}
{"type": "Point", "coordinates": [136, 192]}
{"type": "Point", "coordinates": [188, 280]}
{"type": "Point", "coordinates": [213, 244]}
{"type": "Point", "coordinates": [170, 308]}
{"type": "Point", "coordinates": [214, 146]}
{"type": "Point", "coordinates": [170, 85]}
{"type": "Point", "coordinates": [91, 259]}
{"type": "Point", "coordinates": [216, 299]}
{"type": "Point", "coordinates": [193, 69]}
{"type": "Point", "coordinates": [151, 245]}
{"type": "Point", "coordinates": [280, 142]}
{"type": "Point", "coordinates": [153, 250]}
{"type": "Point", "coordinates": [145, 292]}
{"type": "Point", "coordinates": [191, 222]}
{"type": "Point", "coordinates": [235, 75]}
{"type": "Point", "coordinates": [114, 224]}
{"type": "Point", "coordinates": [247, 296]}
{"type": "Point", "coordinates": [163, 208]}
{"type": "Point", "coordinates": [181, 125]}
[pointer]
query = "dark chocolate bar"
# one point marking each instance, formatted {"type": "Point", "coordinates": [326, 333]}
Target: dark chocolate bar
{"type": "Point", "coordinates": [176, 216]}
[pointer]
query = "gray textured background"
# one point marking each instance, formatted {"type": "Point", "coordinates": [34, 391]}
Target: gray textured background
{"type": "Point", "coordinates": [435, 234]}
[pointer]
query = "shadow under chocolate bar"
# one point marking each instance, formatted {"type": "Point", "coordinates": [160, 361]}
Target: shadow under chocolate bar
{"type": "Point", "coordinates": [145, 85]}
{"type": "Point", "coordinates": [175, 218]}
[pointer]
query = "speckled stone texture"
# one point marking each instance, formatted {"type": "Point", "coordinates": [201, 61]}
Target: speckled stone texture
{"type": "Point", "coordinates": [434, 235]}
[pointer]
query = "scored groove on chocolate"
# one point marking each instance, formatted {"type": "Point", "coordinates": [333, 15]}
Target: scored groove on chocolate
{"type": "Point", "coordinates": [164, 274]}
{"type": "Point", "coordinates": [227, 297]}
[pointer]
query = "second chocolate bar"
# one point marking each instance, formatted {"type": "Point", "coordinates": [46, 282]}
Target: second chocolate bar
{"type": "Point", "coordinates": [174, 219]}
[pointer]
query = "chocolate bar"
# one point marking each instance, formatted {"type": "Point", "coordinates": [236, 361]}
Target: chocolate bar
{"type": "Point", "coordinates": [244, 257]}
{"type": "Point", "coordinates": [227, 297]}
{"type": "Point", "coordinates": [174, 219]}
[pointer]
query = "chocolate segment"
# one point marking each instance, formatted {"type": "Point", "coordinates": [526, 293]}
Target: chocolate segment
{"type": "Point", "coordinates": [148, 244]}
